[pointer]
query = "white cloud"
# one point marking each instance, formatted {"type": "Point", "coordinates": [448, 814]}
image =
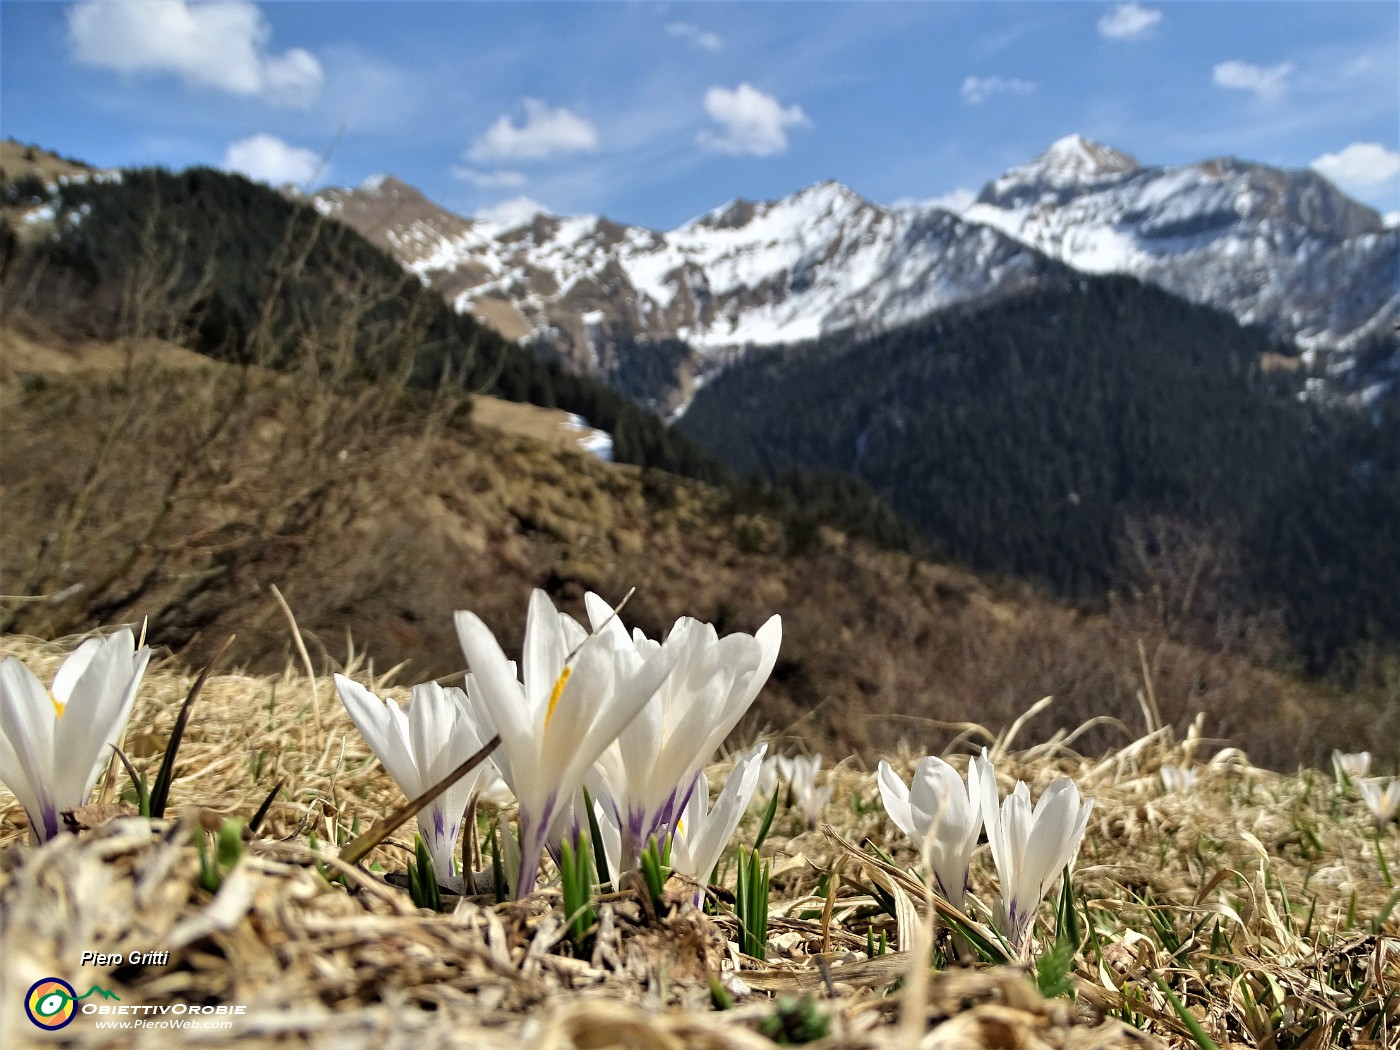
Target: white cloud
{"type": "Point", "coordinates": [1268, 82]}
{"type": "Point", "coordinates": [515, 212]}
{"type": "Point", "coordinates": [292, 78]}
{"type": "Point", "coordinates": [751, 121]}
{"type": "Point", "coordinates": [1127, 21]}
{"type": "Point", "coordinates": [218, 45]}
{"type": "Point", "coordinates": [1362, 165]}
{"type": "Point", "coordinates": [267, 158]}
{"type": "Point", "coordinates": [545, 133]}
{"type": "Point", "coordinates": [701, 38]}
{"type": "Point", "coordinates": [978, 89]}
{"type": "Point", "coordinates": [1392, 219]}
{"type": "Point", "coordinates": [490, 180]}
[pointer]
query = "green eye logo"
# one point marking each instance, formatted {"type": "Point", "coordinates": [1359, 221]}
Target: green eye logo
{"type": "Point", "coordinates": [52, 1003]}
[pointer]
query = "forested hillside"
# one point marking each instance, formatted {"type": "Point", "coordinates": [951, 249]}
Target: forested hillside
{"type": "Point", "coordinates": [237, 271]}
{"type": "Point", "coordinates": [1083, 436]}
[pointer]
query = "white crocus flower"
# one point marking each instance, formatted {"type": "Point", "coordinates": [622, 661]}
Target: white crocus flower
{"type": "Point", "coordinates": [1177, 778]}
{"type": "Point", "coordinates": [1350, 766]}
{"type": "Point", "coordinates": [767, 780]}
{"type": "Point", "coordinates": [419, 744]}
{"type": "Point", "coordinates": [1030, 847]}
{"type": "Point", "coordinates": [801, 775]}
{"type": "Point", "coordinates": [55, 743]}
{"type": "Point", "coordinates": [941, 814]}
{"type": "Point", "coordinates": [578, 693]}
{"type": "Point", "coordinates": [703, 833]}
{"type": "Point", "coordinates": [1382, 802]}
{"type": "Point", "coordinates": [651, 771]}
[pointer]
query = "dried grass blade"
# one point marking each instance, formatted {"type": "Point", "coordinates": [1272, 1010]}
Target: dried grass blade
{"type": "Point", "coordinates": [301, 649]}
{"type": "Point", "coordinates": [1003, 745]}
{"type": "Point", "coordinates": [1151, 713]}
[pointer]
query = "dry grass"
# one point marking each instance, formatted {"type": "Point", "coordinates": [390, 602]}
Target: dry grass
{"type": "Point", "coordinates": [17, 159]}
{"type": "Point", "coordinates": [1255, 896]}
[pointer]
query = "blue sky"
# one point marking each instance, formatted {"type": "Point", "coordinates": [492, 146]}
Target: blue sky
{"type": "Point", "coordinates": [654, 113]}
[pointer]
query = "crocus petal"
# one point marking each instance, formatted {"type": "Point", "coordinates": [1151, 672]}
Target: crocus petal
{"type": "Point", "coordinates": [571, 743]}
{"type": "Point", "coordinates": [604, 620]}
{"type": "Point", "coordinates": [1050, 844]}
{"type": "Point", "coordinates": [933, 797]}
{"type": "Point", "coordinates": [27, 718]}
{"type": "Point", "coordinates": [442, 739]}
{"type": "Point", "coordinates": [99, 703]}
{"type": "Point", "coordinates": [500, 695]}
{"type": "Point", "coordinates": [896, 798]}
{"type": "Point", "coordinates": [707, 834]}
{"type": "Point", "coordinates": [770, 640]}
{"type": "Point", "coordinates": [1382, 802]}
{"type": "Point", "coordinates": [543, 656]}
{"type": "Point", "coordinates": [630, 693]}
{"type": "Point", "coordinates": [12, 776]}
{"type": "Point", "coordinates": [658, 756]}
{"type": "Point", "coordinates": [72, 670]}
{"type": "Point", "coordinates": [375, 719]}
{"type": "Point", "coordinates": [947, 814]}
{"type": "Point", "coordinates": [719, 685]}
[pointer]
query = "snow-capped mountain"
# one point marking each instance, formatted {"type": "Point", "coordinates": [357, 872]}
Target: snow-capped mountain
{"type": "Point", "coordinates": [746, 274]}
{"type": "Point", "coordinates": [1283, 249]}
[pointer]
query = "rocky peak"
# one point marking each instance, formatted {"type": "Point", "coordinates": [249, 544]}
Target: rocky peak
{"type": "Point", "coordinates": [1077, 159]}
{"type": "Point", "coordinates": [1070, 164]}
{"type": "Point", "coordinates": [389, 188]}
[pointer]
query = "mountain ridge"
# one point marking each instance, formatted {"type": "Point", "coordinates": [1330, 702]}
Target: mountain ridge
{"type": "Point", "coordinates": [1285, 250]}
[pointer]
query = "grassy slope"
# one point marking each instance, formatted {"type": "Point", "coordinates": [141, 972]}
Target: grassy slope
{"type": "Point", "coordinates": [378, 514]}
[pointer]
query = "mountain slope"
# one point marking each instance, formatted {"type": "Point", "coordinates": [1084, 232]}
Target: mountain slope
{"type": "Point", "coordinates": [236, 270]}
{"type": "Point", "coordinates": [377, 516]}
{"type": "Point", "coordinates": [1020, 435]}
{"type": "Point", "coordinates": [598, 292]}
{"type": "Point", "coordinates": [1282, 249]}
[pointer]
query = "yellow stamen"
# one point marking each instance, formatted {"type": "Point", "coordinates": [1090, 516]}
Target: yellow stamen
{"type": "Point", "coordinates": [558, 691]}
{"type": "Point", "coordinates": [58, 705]}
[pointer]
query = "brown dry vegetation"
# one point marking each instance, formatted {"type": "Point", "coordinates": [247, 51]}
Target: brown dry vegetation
{"type": "Point", "coordinates": [18, 159]}
{"type": "Point", "coordinates": [1272, 884]}
{"type": "Point", "coordinates": [148, 489]}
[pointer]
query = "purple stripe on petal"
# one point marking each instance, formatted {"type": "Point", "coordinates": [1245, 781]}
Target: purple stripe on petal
{"type": "Point", "coordinates": [689, 791]}
{"type": "Point", "coordinates": [46, 827]}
